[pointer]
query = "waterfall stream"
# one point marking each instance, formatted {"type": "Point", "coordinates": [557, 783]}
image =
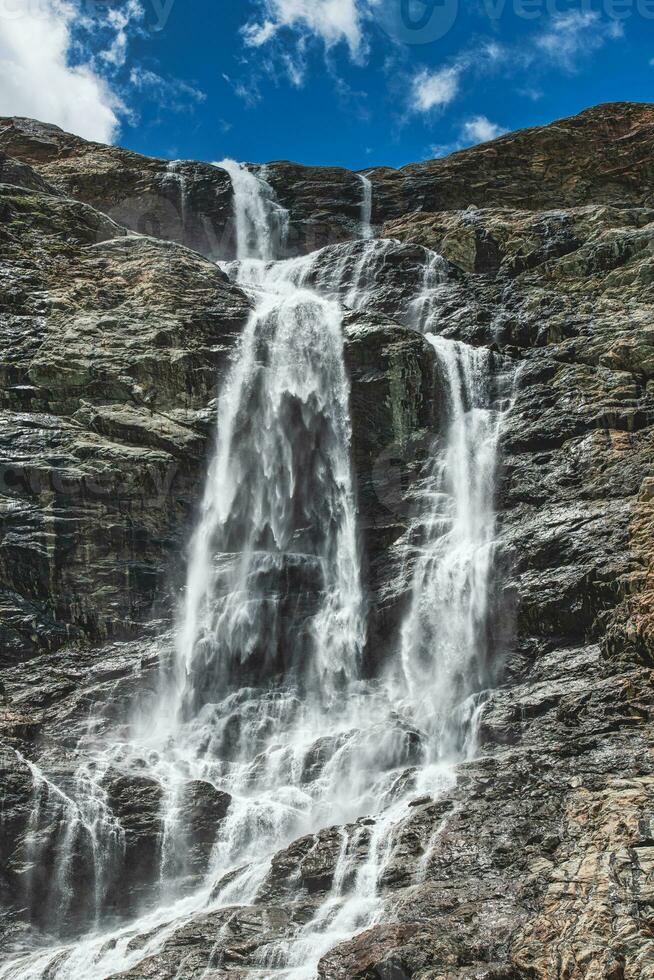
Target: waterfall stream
{"type": "Point", "coordinates": [260, 223]}
{"type": "Point", "coordinates": [445, 636]}
{"type": "Point", "coordinates": [267, 704]}
{"type": "Point", "coordinates": [366, 207]}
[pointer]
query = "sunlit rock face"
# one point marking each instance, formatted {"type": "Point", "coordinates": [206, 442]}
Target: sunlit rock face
{"type": "Point", "coordinates": [399, 723]}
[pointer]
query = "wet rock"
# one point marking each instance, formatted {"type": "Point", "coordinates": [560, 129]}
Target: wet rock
{"type": "Point", "coordinates": [16, 782]}
{"type": "Point", "coordinates": [136, 804]}
{"type": "Point", "coordinates": [203, 807]}
{"type": "Point", "coordinates": [325, 204]}
{"type": "Point", "coordinates": [393, 373]}
{"type": "Point", "coordinates": [105, 379]}
{"type": "Point", "coordinates": [373, 953]}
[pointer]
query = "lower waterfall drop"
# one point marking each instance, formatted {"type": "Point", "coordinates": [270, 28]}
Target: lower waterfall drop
{"type": "Point", "coordinates": [437, 684]}
{"type": "Point", "coordinates": [446, 633]}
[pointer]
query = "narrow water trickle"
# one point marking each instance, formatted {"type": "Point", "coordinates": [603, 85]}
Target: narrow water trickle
{"type": "Point", "coordinates": [266, 712]}
{"type": "Point", "coordinates": [176, 175]}
{"type": "Point", "coordinates": [366, 207]}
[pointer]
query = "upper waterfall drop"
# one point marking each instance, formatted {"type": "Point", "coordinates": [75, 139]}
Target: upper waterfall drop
{"type": "Point", "coordinates": [260, 223]}
{"type": "Point", "coordinates": [366, 207]}
{"type": "Point", "coordinates": [279, 502]}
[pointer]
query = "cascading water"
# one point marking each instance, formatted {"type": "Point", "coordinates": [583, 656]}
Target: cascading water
{"type": "Point", "coordinates": [381, 275]}
{"type": "Point", "coordinates": [438, 682]}
{"type": "Point", "coordinates": [260, 223]}
{"type": "Point", "coordinates": [278, 508]}
{"type": "Point", "coordinates": [266, 703]}
{"type": "Point", "coordinates": [366, 207]}
{"type": "Point", "coordinates": [446, 635]}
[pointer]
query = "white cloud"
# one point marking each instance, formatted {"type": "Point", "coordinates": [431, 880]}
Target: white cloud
{"type": "Point", "coordinates": [38, 76]}
{"type": "Point", "coordinates": [67, 67]}
{"type": "Point", "coordinates": [437, 89]}
{"type": "Point", "coordinates": [434, 90]}
{"type": "Point", "coordinates": [574, 35]}
{"type": "Point", "coordinates": [566, 40]}
{"type": "Point", "coordinates": [530, 92]}
{"type": "Point", "coordinates": [171, 93]}
{"type": "Point", "coordinates": [332, 21]}
{"type": "Point", "coordinates": [256, 35]}
{"type": "Point", "coordinates": [119, 19]}
{"type": "Point", "coordinates": [295, 69]}
{"type": "Point", "coordinates": [477, 129]}
{"type": "Point", "coordinates": [480, 129]}
{"type": "Point", "coordinates": [493, 51]}
{"type": "Point", "coordinates": [248, 93]}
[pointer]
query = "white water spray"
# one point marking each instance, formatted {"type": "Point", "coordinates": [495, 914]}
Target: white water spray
{"type": "Point", "coordinates": [260, 223]}
{"type": "Point", "coordinates": [445, 636]}
{"type": "Point", "coordinates": [381, 275]}
{"type": "Point", "coordinates": [266, 702]}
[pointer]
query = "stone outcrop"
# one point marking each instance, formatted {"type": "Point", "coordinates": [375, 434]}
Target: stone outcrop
{"type": "Point", "coordinates": [539, 863]}
{"type": "Point", "coordinates": [180, 201]}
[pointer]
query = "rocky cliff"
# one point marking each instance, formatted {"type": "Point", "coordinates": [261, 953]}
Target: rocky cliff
{"type": "Point", "coordinates": [117, 330]}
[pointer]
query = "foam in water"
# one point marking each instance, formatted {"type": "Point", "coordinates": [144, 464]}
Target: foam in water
{"type": "Point", "coordinates": [278, 505]}
{"type": "Point", "coordinates": [438, 682]}
{"type": "Point", "coordinates": [266, 701]}
{"type": "Point", "coordinates": [381, 275]}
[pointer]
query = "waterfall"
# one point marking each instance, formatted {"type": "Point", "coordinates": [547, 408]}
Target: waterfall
{"type": "Point", "coordinates": [260, 223]}
{"type": "Point", "coordinates": [366, 207]}
{"type": "Point", "coordinates": [174, 174]}
{"type": "Point", "coordinates": [446, 641]}
{"type": "Point", "coordinates": [278, 507]}
{"type": "Point", "coordinates": [266, 703]}
{"type": "Point", "coordinates": [356, 275]}
{"type": "Point", "coordinates": [445, 635]}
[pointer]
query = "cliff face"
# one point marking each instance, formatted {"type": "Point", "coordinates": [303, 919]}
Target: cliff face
{"type": "Point", "coordinates": [602, 156]}
{"type": "Point", "coordinates": [540, 862]}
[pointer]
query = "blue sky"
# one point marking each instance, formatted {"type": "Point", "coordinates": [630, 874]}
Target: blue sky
{"type": "Point", "coordinates": [356, 83]}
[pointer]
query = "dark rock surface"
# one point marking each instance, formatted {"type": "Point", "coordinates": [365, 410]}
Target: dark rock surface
{"type": "Point", "coordinates": [203, 807]}
{"type": "Point", "coordinates": [539, 863]}
{"type": "Point", "coordinates": [180, 201]}
{"type": "Point", "coordinates": [107, 379]}
{"type": "Point", "coordinates": [114, 352]}
{"type": "Point", "coordinates": [393, 374]}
